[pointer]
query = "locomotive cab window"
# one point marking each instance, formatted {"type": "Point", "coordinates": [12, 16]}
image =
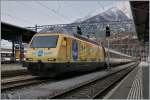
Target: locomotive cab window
{"type": "Point", "coordinates": [44, 42]}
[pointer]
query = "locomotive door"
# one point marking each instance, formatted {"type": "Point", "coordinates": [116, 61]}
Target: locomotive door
{"type": "Point", "coordinates": [68, 49]}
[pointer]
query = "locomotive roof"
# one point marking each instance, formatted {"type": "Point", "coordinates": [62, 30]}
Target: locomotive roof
{"type": "Point", "coordinates": [116, 52]}
{"type": "Point", "coordinates": [55, 29]}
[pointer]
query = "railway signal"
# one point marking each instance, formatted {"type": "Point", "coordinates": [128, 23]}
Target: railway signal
{"type": "Point", "coordinates": [79, 30]}
{"type": "Point", "coordinates": [107, 31]}
{"type": "Point", "coordinates": [107, 37]}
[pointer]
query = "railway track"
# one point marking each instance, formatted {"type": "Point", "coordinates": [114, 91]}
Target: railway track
{"type": "Point", "coordinates": [20, 81]}
{"type": "Point", "coordinates": [95, 88]}
{"type": "Point", "coordinates": [13, 73]}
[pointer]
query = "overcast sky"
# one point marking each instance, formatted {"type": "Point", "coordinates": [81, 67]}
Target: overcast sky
{"type": "Point", "coordinates": [29, 13]}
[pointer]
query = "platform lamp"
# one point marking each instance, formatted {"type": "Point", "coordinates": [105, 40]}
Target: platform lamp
{"type": "Point", "coordinates": [107, 38]}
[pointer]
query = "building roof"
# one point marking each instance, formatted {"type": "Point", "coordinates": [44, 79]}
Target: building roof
{"type": "Point", "coordinates": [11, 32]}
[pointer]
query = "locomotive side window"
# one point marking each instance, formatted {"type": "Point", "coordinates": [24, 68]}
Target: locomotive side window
{"type": "Point", "coordinates": [44, 42]}
{"type": "Point", "coordinates": [64, 42]}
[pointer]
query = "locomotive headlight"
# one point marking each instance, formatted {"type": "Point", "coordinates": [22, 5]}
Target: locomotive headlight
{"type": "Point", "coordinates": [29, 59]}
{"type": "Point", "coordinates": [51, 59]}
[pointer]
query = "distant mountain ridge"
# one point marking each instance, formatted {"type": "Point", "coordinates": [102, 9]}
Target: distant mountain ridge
{"type": "Point", "coordinates": [89, 27]}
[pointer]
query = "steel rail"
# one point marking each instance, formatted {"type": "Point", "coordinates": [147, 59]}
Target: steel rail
{"type": "Point", "coordinates": [104, 91]}
{"type": "Point", "coordinates": [21, 83]}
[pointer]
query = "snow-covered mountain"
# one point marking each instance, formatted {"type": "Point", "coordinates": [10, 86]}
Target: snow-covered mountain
{"type": "Point", "coordinates": [112, 14]}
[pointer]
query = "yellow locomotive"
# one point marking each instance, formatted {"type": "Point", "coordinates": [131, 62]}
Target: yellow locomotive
{"type": "Point", "coordinates": [50, 54]}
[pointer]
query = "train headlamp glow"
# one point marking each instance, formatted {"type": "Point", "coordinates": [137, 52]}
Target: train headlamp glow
{"type": "Point", "coordinates": [29, 59]}
{"type": "Point", "coordinates": [51, 59]}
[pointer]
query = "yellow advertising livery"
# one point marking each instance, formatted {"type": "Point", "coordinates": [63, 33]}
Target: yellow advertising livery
{"type": "Point", "coordinates": [51, 53]}
{"type": "Point", "coordinates": [59, 53]}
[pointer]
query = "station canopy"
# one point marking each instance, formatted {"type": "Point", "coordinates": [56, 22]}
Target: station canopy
{"type": "Point", "coordinates": [12, 32]}
{"type": "Point", "coordinates": [140, 12]}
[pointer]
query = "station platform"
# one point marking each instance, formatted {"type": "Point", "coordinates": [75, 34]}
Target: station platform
{"type": "Point", "coordinates": [8, 67]}
{"type": "Point", "coordinates": [134, 86]}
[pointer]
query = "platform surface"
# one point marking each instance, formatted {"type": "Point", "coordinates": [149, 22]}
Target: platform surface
{"type": "Point", "coordinates": [134, 86]}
